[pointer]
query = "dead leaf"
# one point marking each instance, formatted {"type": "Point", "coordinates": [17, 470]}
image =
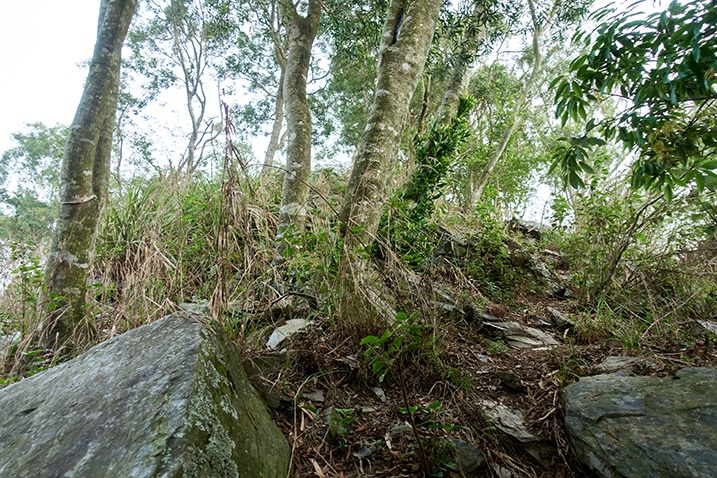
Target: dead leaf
{"type": "Point", "coordinates": [317, 469]}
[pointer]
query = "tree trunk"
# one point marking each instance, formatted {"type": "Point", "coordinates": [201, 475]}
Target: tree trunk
{"type": "Point", "coordinates": [406, 39]}
{"type": "Point", "coordinates": [462, 67]}
{"type": "Point", "coordinates": [301, 32]}
{"type": "Point", "coordinates": [84, 177]}
{"type": "Point", "coordinates": [274, 139]}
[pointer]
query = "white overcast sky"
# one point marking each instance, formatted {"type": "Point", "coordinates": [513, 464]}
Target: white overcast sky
{"type": "Point", "coordinates": [41, 44]}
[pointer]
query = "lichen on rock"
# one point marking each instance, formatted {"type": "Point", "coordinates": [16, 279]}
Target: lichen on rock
{"type": "Point", "coordinates": [169, 399]}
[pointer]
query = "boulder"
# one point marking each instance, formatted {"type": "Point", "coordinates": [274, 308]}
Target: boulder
{"type": "Point", "coordinates": [637, 427]}
{"type": "Point", "coordinates": [167, 399]}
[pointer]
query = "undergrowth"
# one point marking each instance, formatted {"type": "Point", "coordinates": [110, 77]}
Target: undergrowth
{"type": "Point", "coordinates": [212, 242]}
{"type": "Point", "coordinates": [163, 243]}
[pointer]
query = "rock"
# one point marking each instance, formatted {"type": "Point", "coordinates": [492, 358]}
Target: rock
{"type": "Point", "coordinates": [560, 319]}
{"type": "Point", "coordinates": [529, 261]}
{"type": "Point", "coordinates": [509, 421]}
{"type": "Point", "coordinates": [450, 245]}
{"type": "Point", "coordinates": [166, 399]}
{"type": "Point", "coordinates": [268, 365]}
{"type": "Point", "coordinates": [640, 427]}
{"type": "Point", "coordinates": [380, 394]}
{"type": "Point", "coordinates": [362, 451]}
{"type": "Point", "coordinates": [536, 321]}
{"type": "Point", "coordinates": [469, 459]}
{"type": "Point", "coordinates": [626, 365]}
{"type": "Point", "coordinates": [7, 341]}
{"type": "Point", "coordinates": [316, 395]}
{"type": "Point", "coordinates": [518, 336]}
{"type": "Point", "coordinates": [282, 333]}
{"type": "Point", "coordinates": [510, 381]}
{"type": "Point", "coordinates": [531, 229]}
{"type": "Point", "coordinates": [709, 326]}
{"type": "Point", "coordinates": [199, 308]}
{"type": "Point", "coordinates": [501, 472]}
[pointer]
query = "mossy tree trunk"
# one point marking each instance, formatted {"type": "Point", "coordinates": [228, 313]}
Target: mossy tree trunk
{"type": "Point", "coordinates": [84, 177]}
{"type": "Point", "coordinates": [406, 39]}
{"type": "Point", "coordinates": [462, 65]}
{"type": "Point", "coordinates": [301, 32]}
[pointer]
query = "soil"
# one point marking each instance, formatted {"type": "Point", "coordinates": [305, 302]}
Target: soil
{"type": "Point", "coordinates": [341, 421]}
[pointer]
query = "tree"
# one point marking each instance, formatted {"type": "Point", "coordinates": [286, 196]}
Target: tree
{"type": "Point", "coordinates": [171, 48]}
{"type": "Point", "coordinates": [406, 39]}
{"type": "Point", "coordinates": [84, 176]}
{"type": "Point", "coordinates": [35, 164]}
{"type": "Point", "coordinates": [662, 68]}
{"type": "Point", "coordinates": [498, 90]}
{"type": "Point", "coordinates": [350, 37]}
{"type": "Point", "coordinates": [301, 32]}
{"type": "Point", "coordinates": [254, 41]}
{"type": "Point", "coordinates": [471, 30]}
{"type": "Point", "coordinates": [556, 13]}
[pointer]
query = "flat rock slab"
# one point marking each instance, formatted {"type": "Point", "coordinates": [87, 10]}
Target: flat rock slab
{"type": "Point", "coordinates": [637, 427]}
{"type": "Point", "coordinates": [519, 336]}
{"type": "Point", "coordinates": [169, 399]}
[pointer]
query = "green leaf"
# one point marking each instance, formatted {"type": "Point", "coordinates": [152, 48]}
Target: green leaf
{"type": "Point", "coordinates": [669, 195]}
{"type": "Point", "coordinates": [370, 340]}
{"type": "Point", "coordinates": [700, 182]}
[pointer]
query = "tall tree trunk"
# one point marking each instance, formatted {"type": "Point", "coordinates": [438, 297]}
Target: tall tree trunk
{"type": "Point", "coordinates": [301, 32]}
{"type": "Point", "coordinates": [274, 139]}
{"type": "Point", "coordinates": [475, 190]}
{"type": "Point", "coordinates": [406, 39]}
{"type": "Point", "coordinates": [462, 67]}
{"type": "Point", "coordinates": [84, 177]}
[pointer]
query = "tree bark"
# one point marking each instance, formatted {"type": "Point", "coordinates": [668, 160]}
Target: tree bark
{"type": "Point", "coordinates": [301, 32]}
{"type": "Point", "coordinates": [274, 139]}
{"type": "Point", "coordinates": [406, 39]}
{"type": "Point", "coordinates": [462, 68]}
{"type": "Point", "coordinates": [84, 177]}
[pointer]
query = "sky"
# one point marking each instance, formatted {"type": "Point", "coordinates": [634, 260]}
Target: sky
{"type": "Point", "coordinates": [41, 44]}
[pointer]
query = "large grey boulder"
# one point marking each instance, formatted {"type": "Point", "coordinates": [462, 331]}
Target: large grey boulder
{"type": "Point", "coordinates": [169, 399]}
{"type": "Point", "coordinates": [637, 427]}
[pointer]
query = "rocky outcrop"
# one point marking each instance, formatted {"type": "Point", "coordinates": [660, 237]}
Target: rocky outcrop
{"type": "Point", "coordinates": [169, 399]}
{"type": "Point", "coordinates": [637, 427]}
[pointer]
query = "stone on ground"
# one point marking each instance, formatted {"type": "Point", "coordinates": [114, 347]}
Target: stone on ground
{"type": "Point", "coordinates": [640, 427]}
{"type": "Point", "coordinates": [169, 399]}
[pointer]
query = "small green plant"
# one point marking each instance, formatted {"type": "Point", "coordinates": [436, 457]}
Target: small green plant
{"type": "Point", "coordinates": [406, 228]}
{"type": "Point", "coordinates": [384, 353]}
{"type": "Point", "coordinates": [27, 278]}
{"type": "Point", "coordinates": [386, 356]}
{"type": "Point", "coordinates": [339, 421]}
{"type": "Point", "coordinates": [488, 260]}
{"type": "Point", "coordinates": [495, 347]}
{"type": "Point", "coordinates": [430, 422]}
{"type": "Point", "coordinates": [569, 368]}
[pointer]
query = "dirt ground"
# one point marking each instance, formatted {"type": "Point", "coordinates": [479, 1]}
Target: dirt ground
{"type": "Point", "coordinates": [342, 422]}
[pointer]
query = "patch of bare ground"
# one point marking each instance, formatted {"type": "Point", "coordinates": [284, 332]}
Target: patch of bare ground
{"type": "Point", "coordinates": [341, 422]}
